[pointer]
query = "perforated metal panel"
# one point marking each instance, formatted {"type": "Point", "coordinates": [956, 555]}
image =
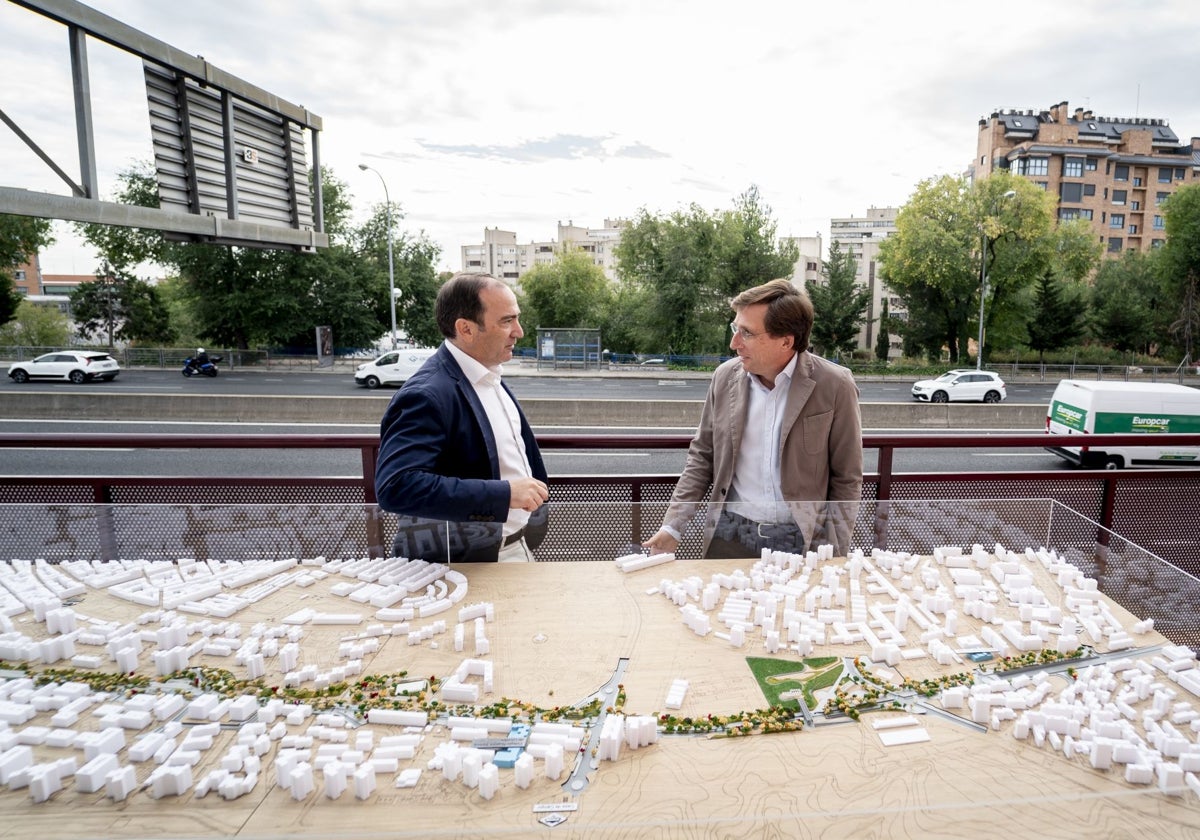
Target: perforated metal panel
{"type": "Point", "coordinates": [596, 520]}
{"type": "Point", "coordinates": [1147, 512]}
{"type": "Point", "coordinates": [1163, 516]}
{"type": "Point", "coordinates": [50, 493]}
{"type": "Point", "coordinates": [243, 494]}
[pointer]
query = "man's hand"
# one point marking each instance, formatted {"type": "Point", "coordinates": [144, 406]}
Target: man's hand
{"type": "Point", "coordinates": [527, 494]}
{"type": "Point", "coordinates": [662, 543]}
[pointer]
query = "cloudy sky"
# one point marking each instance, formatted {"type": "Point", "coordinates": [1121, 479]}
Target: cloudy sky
{"type": "Point", "coordinates": [521, 113]}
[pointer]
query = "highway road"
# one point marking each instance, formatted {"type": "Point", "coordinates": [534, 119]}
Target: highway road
{"type": "Point", "coordinates": [526, 384]}
{"type": "Point", "coordinates": [249, 462]}
{"type": "Point", "coordinates": [669, 386]}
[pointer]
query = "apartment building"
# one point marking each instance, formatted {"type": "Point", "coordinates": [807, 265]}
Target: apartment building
{"type": "Point", "coordinates": [860, 237]}
{"type": "Point", "coordinates": [1115, 172]}
{"type": "Point", "coordinates": [502, 256]}
{"type": "Point", "coordinates": [27, 277]}
{"type": "Point", "coordinates": [809, 259]}
{"type": "Point", "coordinates": [47, 289]}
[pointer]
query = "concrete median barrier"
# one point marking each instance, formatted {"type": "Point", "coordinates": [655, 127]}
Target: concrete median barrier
{"type": "Point", "coordinates": [541, 412]}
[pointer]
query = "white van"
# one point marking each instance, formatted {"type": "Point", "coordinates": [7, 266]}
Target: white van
{"type": "Point", "coordinates": [392, 368]}
{"type": "Point", "coordinates": [1085, 408]}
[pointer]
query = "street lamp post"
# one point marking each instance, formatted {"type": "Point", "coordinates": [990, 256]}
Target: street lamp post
{"type": "Point", "coordinates": [983, 281]}
{"type": "Point", "coordinates": [391, 268]}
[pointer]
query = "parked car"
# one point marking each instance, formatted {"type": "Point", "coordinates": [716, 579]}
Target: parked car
{"type": "Point", "coordinates": [72, 365]}
{"type": "Point", "coordinates": [392, 368]}
{"type": "Point", "coordinates": [961, 386]}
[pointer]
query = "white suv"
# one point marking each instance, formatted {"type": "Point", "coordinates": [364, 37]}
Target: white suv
{"type": "Point", "coordinates": [76, 366]}
{"type": "Point", "coordinates": [961, 386]}
{"type": "Point", "coordinates": [392, 368]}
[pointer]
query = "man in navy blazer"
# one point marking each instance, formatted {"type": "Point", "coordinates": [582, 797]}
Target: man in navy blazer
{"type": "Point", "coordinates": [457, 456]}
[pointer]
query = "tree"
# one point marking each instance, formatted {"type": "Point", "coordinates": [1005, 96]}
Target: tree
{"type": "Point", "coordinates": [1056, 319]}
{"type": "Point", "coordinates": [244, 297]}
{"type": "Point", "coordinates": [945, 235]}
{"type": "Point", "coordinates": [21, 237]}
{"type": "Point", "coordinates": [749, 251]}
{"type": "Point", "coordinates": [929, 263]}
{"type": "Point", "coordinates": [688, 264]}
{"type": "Point", "coordinates": [839, 304]}
{"type": "Point", "coordinates": [124, 249]}
{"type": "Point", "coordinates": [416, 280]}
{"type": "Point", "coordinates": [572, 291]}
{"type": "Point", "coordinates": [120, 306]}
{"type": "Point", "coordinates": [1180, 265]}
{"type": "Point", "coordinates": [883, 339]}
{"type": "Point", "coordinates": [1125, 305]}
{"type": "Point", "coordinates": [36, 325]}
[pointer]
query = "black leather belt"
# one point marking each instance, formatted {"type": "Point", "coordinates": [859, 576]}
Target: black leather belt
{"type": "Point", "coordinates": [513, 537]}
{"type": "Point", "coordinates": [734, 526]}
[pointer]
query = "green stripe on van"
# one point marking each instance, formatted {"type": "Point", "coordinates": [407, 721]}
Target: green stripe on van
{"type": "Point", "coordinates": [1150, 422]}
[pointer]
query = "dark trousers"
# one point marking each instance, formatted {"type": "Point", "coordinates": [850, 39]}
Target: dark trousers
{"type": "Point", "coordinates": [737, 537]}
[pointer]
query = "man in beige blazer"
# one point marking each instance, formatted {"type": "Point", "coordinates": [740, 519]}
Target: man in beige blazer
{"type": "Point", "coordinates": [780, 436]}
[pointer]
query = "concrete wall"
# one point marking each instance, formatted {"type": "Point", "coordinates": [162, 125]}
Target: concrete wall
{"type": "Point", "coordinates": [541, 412]}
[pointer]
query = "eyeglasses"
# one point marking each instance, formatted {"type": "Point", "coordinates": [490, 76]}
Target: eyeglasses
{"type": "Point", "coordinates": [743, 332]}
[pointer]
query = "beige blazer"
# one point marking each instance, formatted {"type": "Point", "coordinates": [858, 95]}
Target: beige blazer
{"type": "Point", "coordinates": [821, 443]}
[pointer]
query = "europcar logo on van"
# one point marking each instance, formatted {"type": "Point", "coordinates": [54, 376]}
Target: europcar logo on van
{"type": "Point", "coordinates": [1068, 416]}
{"type": "Point", "coordinates": [1151, 424]}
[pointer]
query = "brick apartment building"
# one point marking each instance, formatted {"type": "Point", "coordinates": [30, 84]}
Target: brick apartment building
{"type": "Point", "coordinates": [1115, 172]}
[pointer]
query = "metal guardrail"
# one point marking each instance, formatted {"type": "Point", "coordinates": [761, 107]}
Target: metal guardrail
{"type": "Point", "coordinates": [347, 359]}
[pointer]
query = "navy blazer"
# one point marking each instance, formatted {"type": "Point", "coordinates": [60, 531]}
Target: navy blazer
{"type": "Point", "coordinates": [438, 458]}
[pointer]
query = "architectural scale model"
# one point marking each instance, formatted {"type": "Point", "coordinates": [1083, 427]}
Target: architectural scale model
{"type": "Point", "coordinates": [189, 678]}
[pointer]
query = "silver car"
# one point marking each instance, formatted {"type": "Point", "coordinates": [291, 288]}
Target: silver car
{"type": "Point", "coordinates": [72, 365]}
{"type": "Point", "coordinates": [961, 386]}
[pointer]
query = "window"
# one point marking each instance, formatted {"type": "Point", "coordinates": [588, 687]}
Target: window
{"type": "Point", "coordinates": [20, 275]}
{"type": "Point", "coordinates": [1119, 196]}
{"type": "Point", "coordinates": [1156, 243]}
{"type": "Point", "coordinates": [1121, 172]}
{"type": "Point", "coordinates": [1164, 175]}
{"type": "Point", "coordinates": [1032, 166]}
{"type": "Point", "coordinates": [1085, 214]}
{"type": "Point", "coordinates": [1114, 244]}
{"type": "Point", "coordinates": [1116, 220]}
{"type": "Point", "coordinates": [1135, 205]}
{"type": "Point", "coordinates": [1137, 182]}
{"type": "Point", "coordinates": [1073, 167]}
{"type": "Point", "coordinates": [1159, 224]}
{"type": "Point", "coordinates": [1133, 228]}
{"type": "Point", "coordinates": [1090, 166]}
{"type": "Point", "coordinates": [1089, 189]}
{"type": "Point", "coordinates": [1179, 174]}
{"type": "Point", "coordinates": [1065, 214]}
{"type": "Point", "coordinates": [1159, 198]}
{"type": "Point", "coordinates": [1071, 192]}
{"type": "Point", "coordinates": [1042, 185]}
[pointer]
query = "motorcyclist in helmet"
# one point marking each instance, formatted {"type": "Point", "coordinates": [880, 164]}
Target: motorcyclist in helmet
{"type": "Point", "coordinates": [201, 357]}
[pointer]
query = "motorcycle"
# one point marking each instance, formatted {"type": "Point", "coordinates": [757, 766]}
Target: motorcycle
{"type": "Point", "coordinates": [208, 368]}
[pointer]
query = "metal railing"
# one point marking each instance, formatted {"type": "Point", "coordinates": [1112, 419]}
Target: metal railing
{"type": "Point", "coordinates": [1153, 508]}
{"type": "Point", "coordinates": [344, 358]}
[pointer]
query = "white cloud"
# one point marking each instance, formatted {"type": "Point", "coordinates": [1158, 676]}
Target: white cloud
{"type": "Point", "coordinates": [520, 113]}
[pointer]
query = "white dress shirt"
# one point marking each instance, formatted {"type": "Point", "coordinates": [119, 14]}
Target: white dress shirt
{"type": "Point", "coordinates": [756, 492]}
{"type": "Point", "coordinates": [505, 421]}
